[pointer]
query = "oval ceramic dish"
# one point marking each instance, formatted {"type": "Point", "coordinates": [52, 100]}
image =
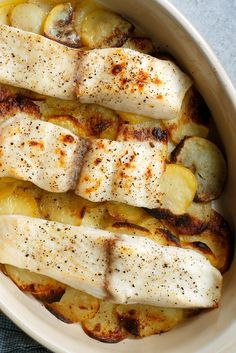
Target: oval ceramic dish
{"type": "Point", "coordinates": [212, 331]}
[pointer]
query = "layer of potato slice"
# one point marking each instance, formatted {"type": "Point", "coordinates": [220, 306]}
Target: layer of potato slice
{"type": "Point", "coordinates": [146, 320]}
{"type": "Point", "coordinates": [65, 208]}
{"type": "Point", "coordinates": [95, 217]}
{"type": "Point", "coordinates": [127, 228]}
{"type": "Point", "coordinates": [193, 119]}
{"type": "Point", "coordinates": [41, 287]}
{"type": "Point", "coordinates": [59, 25]}
{"type": "Point", "coordinates": [20, 201]}
{"type": "Point", "coordinates": [4, 15]}
{"type": "Point", "coordinates": [85, 120]}
{"type": "Point", "coordinates": [83, 8]}
{"type": "Point", "coordinates": [193, 221]}
{"type": "Point", "coordinates": [125, 213]}
{"type": "Point", "coordinates": [104, 29]}
{"type": "Point", "coordinates": [28, 17]}
{"type": "Point", "coordinates": [218, 238]}
{"type": "Point", "coordinates": [105, 326]}
{"type": "Point", "coordinates": [178, 188]}
{"type": "Point", "coordinates": [74, 306]}
{"type": "Point", "coordinates": [206, 161]}
{"type": "Point", "coordinates": [133, 119]}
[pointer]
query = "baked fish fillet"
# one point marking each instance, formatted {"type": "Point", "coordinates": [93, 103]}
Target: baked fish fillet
{"type": "Point", "coordinates": [45, 154]}
{"type": "Point", "coordinates": [124, 171]}
{"type": "Point", "coordinates": [118, 78]}
{"type": "Point", "coordinates": [120, 268]}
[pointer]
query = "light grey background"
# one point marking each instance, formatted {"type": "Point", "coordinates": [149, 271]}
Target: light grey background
{"type": "Point", "coordinates": [216, 22]}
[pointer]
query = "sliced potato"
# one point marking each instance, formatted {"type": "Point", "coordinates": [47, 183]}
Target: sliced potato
{"type": "Point", "coordinates": [127, 228]}
{"type": "Point", "coordinates": [104, 29]}
{"type": "Point", "coordinates": [65, 208]}
{"type": "Point", "coordinates": [4, 15]}
{"type": "Point", "coordinates": [59, 26]}
{"type": "Point", "coordinates": [45, 5]}
{"type": "Point", "coordinates": [105, 325]}
{"type": "Point", "coordinates": [177, 188]}
{"type": "Point", "coordinates": [160, 232]}
{"type": "Point", "coordinates": [207, 163]}
{"type": "Point", "coordinates": [28, 17]}
{"type": "Point", "coordinates": [53, 106]}
{"type": "Point", "coordinates": [96, 217]}
{"type": "Point", "coordinates": [21, 202]}
{"type": "Point", "coordinates": [6, 187]}
{"type": "Point", "coordinates": [218, 238]}
{"type": "Point", "coordinates": [146, 320]}
{"type": "Point", "coordinates": [193, 221]}
{"type": "Point", "coordinates": [41, 287]}
{"type": "Point", "coordinates": [74, 306]}
{"type": "Point", "coordinates": [193, 119]}
{"type": "Point", "coordinates": [83, 8]}
{"type": "Point", "coordinates": [5, 3]}
{"type": "Point", "coordinates": [97, 121]}
{"type": "Point", "coordinates": [133, 119]}
{"type": "Point", "coordinates": [125, 213]}
{"type": "Point", "coordinates": [141, 44]}
{"type": "Point", "coordinates": [68, 122]}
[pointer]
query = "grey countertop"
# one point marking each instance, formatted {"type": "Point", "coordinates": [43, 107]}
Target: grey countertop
{"type": "Point", "coordinates": [215, 20]}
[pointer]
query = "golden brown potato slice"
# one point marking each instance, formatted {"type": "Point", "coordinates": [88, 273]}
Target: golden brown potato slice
{"type": "Point", "coordinates": [65, 208]}
{"type": "Point", "coordinates": [141, 44]}
{"type": "Point", "coordinates": [193, 221]}
{"type": "Point", "coordinates": [28, 17]}
{"type": "Point", "coordinates": [193, 119]}
{"type": "Point", "coordinates": [41, 287]}
{"type": "Point", "coordinates": [125, 213]}
{"type": "Point", "coordinates": [21, 201]}
{"type": "Point", "coordinates": [160, 232]}
{"type": "Point", "coordinates": [11, 104]}
{"type": "Point", "coordinates": [207, 163]}
{"type": "Point", "coordinates": [104, 29]}
{"type": "Point", "coordinates": [134, 119]}
{"type": "Point", "coordinates": [83, 8]}
{"type": "Point", "coordinates": [178, 187]}
{"type": "Point", "coordinates": [126, 228]}
{"type": "Point", "coordinates": [54, 106]}
{"type": "Point", "coordinates": [59, 25]}
{"type": "Point", "coordinates": [97, 121]}
{"type": "Point", "coordinates": [68, 122]}
{"type": "Point", "coordinates": [96, 217]}
{"type": "Point", "coordinates": [105, 325]}
{"type": "Point", "coordinates": [218, 238]}
{"type": "Point", "coordinates": [147, 320]}
{"type": "Point", "coordinates": [74, 306]}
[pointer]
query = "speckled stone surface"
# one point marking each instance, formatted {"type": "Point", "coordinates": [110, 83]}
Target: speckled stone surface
{"type": "Point", "coordinates": [215, 20]}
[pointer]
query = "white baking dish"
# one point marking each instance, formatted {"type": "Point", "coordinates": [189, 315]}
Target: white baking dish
{"type": "Point", "coordinates": [209, 332]}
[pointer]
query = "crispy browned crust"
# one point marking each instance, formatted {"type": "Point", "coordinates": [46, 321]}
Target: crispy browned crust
{"type": "Point", "coordinates": [197, 108]}
{"type": "Point", "coordinates": [118, 225]}
{"type": "Point", "coordinates": [50, 295]}
{"type": "Point", "coordinates": [12, 105]}
{"type": "Point", "coordinates": [183, 224]}
{"type": "Point", "coordinates": [128, 132]}
{"type": "Point", "coordinates": [58, 314]}
{"type": "Point", "coordinates": [219, 226]}
{"type": "Point", "coordinates": [107, 337]}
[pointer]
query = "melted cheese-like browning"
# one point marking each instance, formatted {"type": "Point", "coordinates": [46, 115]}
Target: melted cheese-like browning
{"type": "Point", "coordinates": [122, 268]}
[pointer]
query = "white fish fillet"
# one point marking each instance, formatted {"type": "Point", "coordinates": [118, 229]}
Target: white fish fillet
{"type": "Point", "coordinates": [124, 171]}
{"type": "Point", "coordinates": [31, 61]}
{"type": "Point", "coordinates": [130, 81]}
{"type": "Point", "coordinates": [118, 78]}
{"type": "Point", "coordinates": [122, 268]}
{"type": "Point", "coordinates": [45, 154]}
